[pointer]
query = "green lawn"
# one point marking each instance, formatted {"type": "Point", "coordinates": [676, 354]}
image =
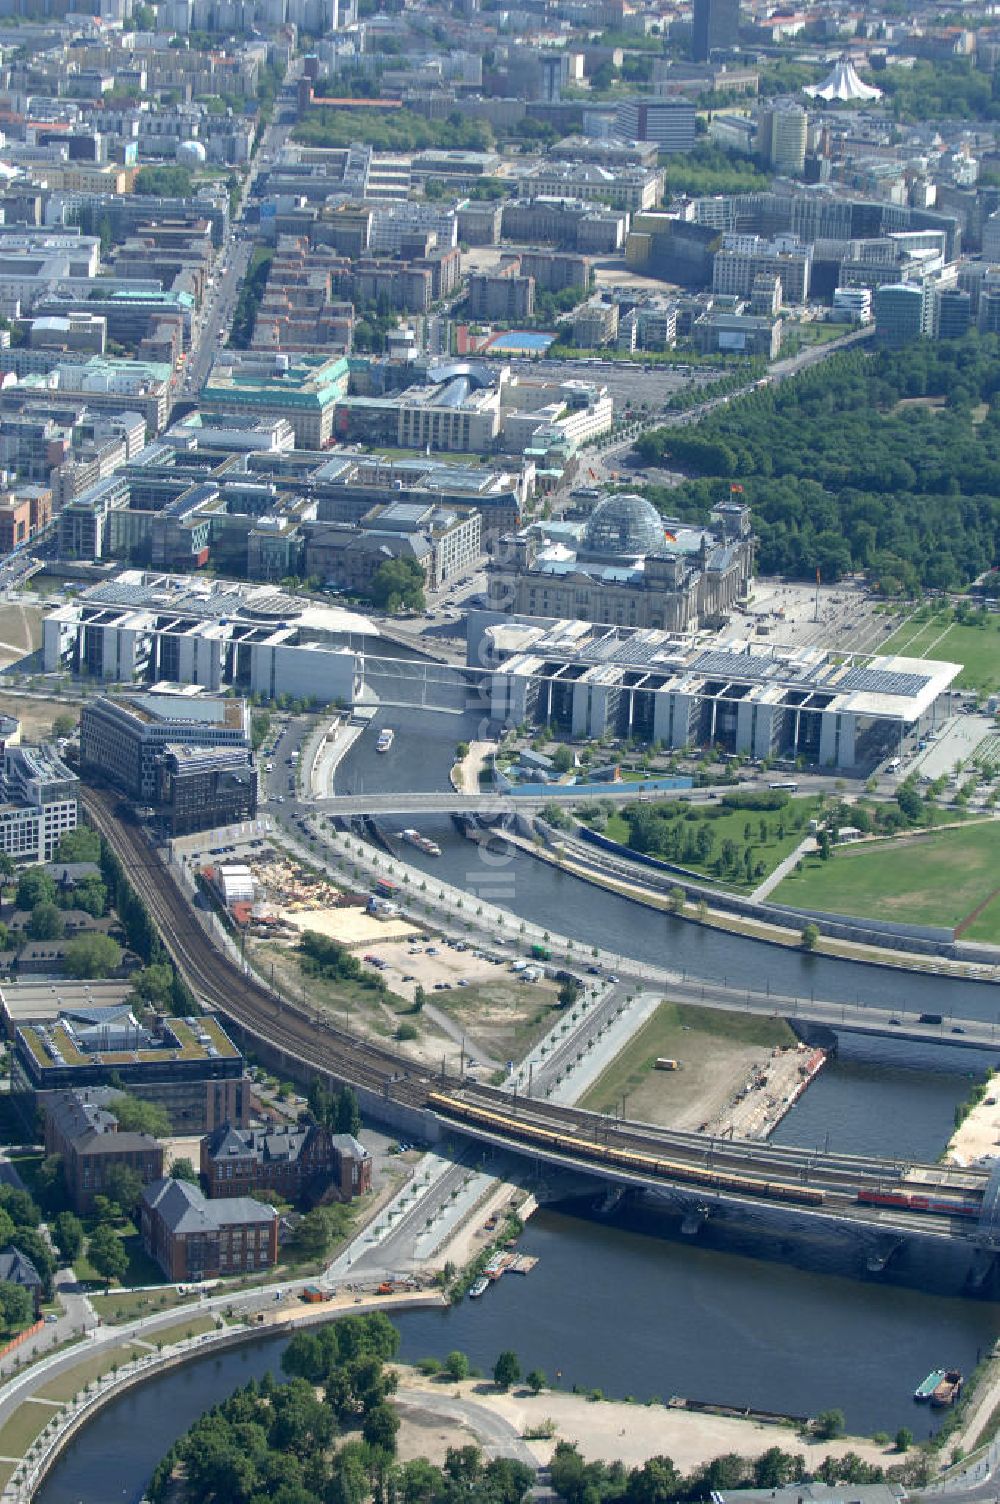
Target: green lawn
{"type": "Point", "coordinates": [25, 1424]}
{"type": "Point", "coordinates": [793, 822]}
{"type": "Point", "coordinates": [684, 1032]}
{"type": "Point", "coordinates": [977, 649]}
{"type": "Point", "coordinates": [122, 1305]}
{"type": "Point", "coordinates": [937, 879]}
{"type": "Point", "coordinates": [70, 1383]}
{"type": "Point", "coordinates": [178, 1330]}
{"type": "Point", "coordinates": [986, 925]}
{"type": "Point", "coordinates": [813, 333]}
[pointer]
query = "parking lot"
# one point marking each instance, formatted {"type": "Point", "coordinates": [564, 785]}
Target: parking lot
{"type": "Point", "coordinates": [418, 961]}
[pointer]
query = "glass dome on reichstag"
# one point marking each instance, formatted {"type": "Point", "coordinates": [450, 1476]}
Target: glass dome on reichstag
{"type": "Point", "coordinates": [624, 526]}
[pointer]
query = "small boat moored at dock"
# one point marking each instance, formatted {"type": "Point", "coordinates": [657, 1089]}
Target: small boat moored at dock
{"type": "Point", "coordinates": [927, 1386]}
{"type": "Point", "coordinates": [479, 1288]}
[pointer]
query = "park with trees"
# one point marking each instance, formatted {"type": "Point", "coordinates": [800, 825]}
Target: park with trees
{"type": "Point", "coordinates": [330, 1435]}
{"type": "Point", "coordinates": [886, 463]}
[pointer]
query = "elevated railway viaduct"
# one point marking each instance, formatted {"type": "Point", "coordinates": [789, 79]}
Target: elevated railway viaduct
{"type": "Point", "coordinates": [886, 1201]}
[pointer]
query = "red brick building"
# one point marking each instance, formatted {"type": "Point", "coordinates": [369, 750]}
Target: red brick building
{"type": "Point", "coordinates": [80, 1129]}
{"type": "Point", "coordinates": [192, 1238]}
{"type": "Point", "coordinates": [291, 1161]}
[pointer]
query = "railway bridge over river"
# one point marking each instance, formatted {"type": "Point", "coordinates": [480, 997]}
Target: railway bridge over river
{"type": "Point", "coordinates": [886, 1201]}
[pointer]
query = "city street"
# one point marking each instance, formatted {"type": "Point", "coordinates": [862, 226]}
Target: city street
{"type": "Point", "coordinates": [215, 317]}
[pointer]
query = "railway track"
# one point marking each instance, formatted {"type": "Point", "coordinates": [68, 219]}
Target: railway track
{"type": "Point", "coordinates": [839, 1172]}
{"type": "Point", "coordinates": [777, 1172]}
{"type": "Point", "coordinates": [210, 974]}
{"type": "Point", "coordinates": [929, 1205]}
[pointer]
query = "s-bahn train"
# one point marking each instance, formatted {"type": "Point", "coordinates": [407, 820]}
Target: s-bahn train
{"type": "Point", "coordinates": [627, 1159]}
{"type": "Point", "coordinates": [933, 1201]}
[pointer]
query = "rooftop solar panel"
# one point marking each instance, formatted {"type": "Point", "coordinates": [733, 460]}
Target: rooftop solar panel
{"type": "Point", "coordinates": [877, 681]}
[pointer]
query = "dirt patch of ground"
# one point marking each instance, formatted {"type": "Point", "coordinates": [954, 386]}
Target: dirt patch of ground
{"type": "Point", "coordinates": [424, 1434]}
{"type": "Point", "coordinates": [481, 258]}
{"type": "Point", "coordinates": [465, 775]}
{"type": "Point", "coordinates": [181, 1148]}
{"type": "Point", "coordinates": [608, 1431]}
{"type": "Point", "coordinates": [978, 1138]}
{"type": "Point", "coordinates": [366, 1012]}
{"type": "Point", "coordinates": [620, 274]}
{"type": "Point", "coordinates": [717, 1054]}
{"type": "Point", "coordinates": [36, 716]}
{"type": "Point", "coordinates": [353, 928]}
{"type": "Point", "coordinates": [699, 1092]}
{"type": "Point", "coordinates": [505, 1015]}
{"type": "Point", "coordinates": [20, 632]}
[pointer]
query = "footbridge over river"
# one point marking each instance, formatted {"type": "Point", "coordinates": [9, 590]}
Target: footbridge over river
{"type": "Point", "coordinates": [885, 1201]}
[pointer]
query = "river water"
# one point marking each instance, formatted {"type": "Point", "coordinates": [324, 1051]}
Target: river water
{"type": "Point", "coordinates": [631, 1307]}
{"type": "Point", "coordinates": [420, 759]}
{"type": "Point", "coordinates": [628, 1305]}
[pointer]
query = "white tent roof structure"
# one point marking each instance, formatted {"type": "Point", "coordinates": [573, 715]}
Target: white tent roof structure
{"type": "Point", "coordinates": [843, 83]}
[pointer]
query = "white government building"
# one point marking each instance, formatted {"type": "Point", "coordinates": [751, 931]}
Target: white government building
{"type": "Point", "coordinates": [146, 627]}
{"type": "Point", "coordinates": [837, 710]}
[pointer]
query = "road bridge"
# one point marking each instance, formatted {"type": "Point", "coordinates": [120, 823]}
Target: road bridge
{"type": "Point", "coordinates": [492, 805]}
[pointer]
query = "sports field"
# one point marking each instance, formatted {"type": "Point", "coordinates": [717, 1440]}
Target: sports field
{"type": "Point", "coordinates": [949, 878]}
{"type": "Point", "coordinates": [977, 649]}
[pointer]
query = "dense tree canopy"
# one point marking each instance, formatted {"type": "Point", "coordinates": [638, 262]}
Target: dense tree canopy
{"type": "Point", "coordinates": [298, 1443]}
{"type": "Point", "coordinates": [399, 583]}
{"type": "Point", "coordinates": [317, 1355]}
{"type": "Point", "coordinates": [135, 1115]}
{"type": "Point", "coordinates": [81, 844]}
{"type": "Point", "coordinates": [93, 955]}
{"type": "Point", "coordinates": [16, 1306]}
{"type": "Point", "coordinates": [392, 130]}
{"type": "Point", "coordinates": [90, 895]}
{"type": "Point", "coordinates": [336, 1110]}
{"type": "Point", "coordinates": [164, 182]}
{"type": "Point", "coordinates": [952, 89]}
{"type": "Point", "coordinates": [710, 168]}
{"type": "Point", "coordinates": [67, 1230]}
{"type": "Point", "coordinates": [658, 1481]}
{"type": "Point", "coordinates": [888, 463]}
{"type": "Point", "coordinates": [106, 1252]}
{"type": "Point", "coordinates": [35, 886]}
{"type": "Point", "coordinates": [279, 1443]}
{"type": "Point", "coordinates": [45, 923]}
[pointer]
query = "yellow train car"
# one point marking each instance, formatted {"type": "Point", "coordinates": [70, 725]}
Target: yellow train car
{"type": "Point", "coordinates": [525, 1131]}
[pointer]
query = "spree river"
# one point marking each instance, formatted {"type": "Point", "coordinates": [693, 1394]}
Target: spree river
{"type": "Point", "coordinates": [627, 1305]}
{"type": "Point", "coordinates": [420, 759]}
